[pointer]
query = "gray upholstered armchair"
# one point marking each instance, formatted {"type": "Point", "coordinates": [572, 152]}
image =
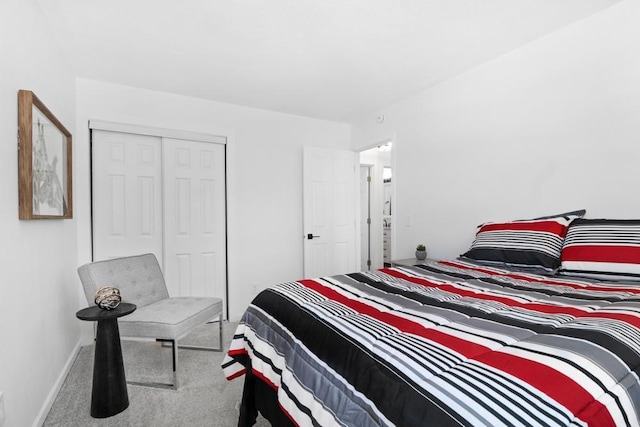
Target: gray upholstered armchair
{"type": "Point", "coordinates": [158, 316]}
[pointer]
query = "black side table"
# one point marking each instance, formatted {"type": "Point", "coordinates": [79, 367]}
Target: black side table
{"type": "Point", "coordinates": [109, 393]}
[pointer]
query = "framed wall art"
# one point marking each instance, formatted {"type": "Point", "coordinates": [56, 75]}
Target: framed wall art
{"type": "Point", "coordinates": [44, 162]}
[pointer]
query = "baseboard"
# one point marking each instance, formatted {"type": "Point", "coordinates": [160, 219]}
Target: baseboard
{"type": "Point", "coordinates": [51, 397]}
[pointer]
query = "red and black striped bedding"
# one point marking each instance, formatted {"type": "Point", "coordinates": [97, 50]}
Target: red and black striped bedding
{"type": "Point", "coordinates": [445, 343]}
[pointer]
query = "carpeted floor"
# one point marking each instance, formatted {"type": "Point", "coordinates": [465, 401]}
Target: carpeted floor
{"type": "Point", "coordinates": [205, 397]}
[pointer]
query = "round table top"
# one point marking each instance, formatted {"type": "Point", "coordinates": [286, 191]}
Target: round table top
{"type": "Point", "coordinates": [96, 313]}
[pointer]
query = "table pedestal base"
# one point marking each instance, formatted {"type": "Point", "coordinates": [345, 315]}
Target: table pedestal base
{"type": "Point", "coordinates": [109, 394]}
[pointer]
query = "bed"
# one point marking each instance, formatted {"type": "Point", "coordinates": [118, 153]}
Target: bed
{"type": "Point", "coordinates": [480, 340]}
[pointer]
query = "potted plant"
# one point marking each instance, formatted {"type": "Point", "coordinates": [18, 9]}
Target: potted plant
{"type": "Point", "coordinates": [421, 251]}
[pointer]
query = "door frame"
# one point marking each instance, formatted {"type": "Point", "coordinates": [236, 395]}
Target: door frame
{"type": "Point", "coordinates": [164, 133]}
{"type": "Point", "coordinates": [365, 245]}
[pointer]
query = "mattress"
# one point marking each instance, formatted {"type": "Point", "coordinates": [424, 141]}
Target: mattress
{"type": "Point", "coordinates": [447, 343]}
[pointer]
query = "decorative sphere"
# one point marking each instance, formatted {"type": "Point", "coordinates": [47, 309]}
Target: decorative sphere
{"type": "Point", "coordinates": [107, 297]}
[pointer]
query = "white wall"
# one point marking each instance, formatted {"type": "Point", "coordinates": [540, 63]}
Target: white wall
{"type": "Point", "coordinates": [39, 289]}
{"type": "Point", "coordinates": [552, 126]}
{"type": "Point", "coordinates": [265, 173]}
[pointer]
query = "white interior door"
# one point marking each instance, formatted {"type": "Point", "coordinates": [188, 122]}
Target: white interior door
{"type": "Point", "coordinates": [127, 195]}
{"type": "Point", "coordinates": [330, 197]}
{"type": "Point", "coordinates": [195, 238]}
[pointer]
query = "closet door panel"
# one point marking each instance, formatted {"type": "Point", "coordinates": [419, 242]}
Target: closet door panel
{"type": "Point", "coordinates": [127, 194]}
{"type": "Point", "coordinates": [195, 239]}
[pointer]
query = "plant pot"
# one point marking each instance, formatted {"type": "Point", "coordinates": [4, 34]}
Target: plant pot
{"type": "Point", "coordinates": [421, 254]}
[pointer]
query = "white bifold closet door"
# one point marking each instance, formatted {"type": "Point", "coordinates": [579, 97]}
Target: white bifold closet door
{"type": "Point", "coordinates": [165, 196]}
{"type": "Point", "coordinates": [194, 217]}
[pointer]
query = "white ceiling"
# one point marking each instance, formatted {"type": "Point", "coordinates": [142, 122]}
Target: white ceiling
{"type": "Point", "coordinates": [328, 59]}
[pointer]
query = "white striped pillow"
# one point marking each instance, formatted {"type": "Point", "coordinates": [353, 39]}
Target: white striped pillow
{"type": "Point", "coordinates": [523, 243]}
{"type": "Point", "coordinates": [602, 248]}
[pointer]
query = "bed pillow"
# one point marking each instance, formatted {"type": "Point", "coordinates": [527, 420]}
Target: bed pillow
{"type": "Point", "coordinates": [571, 215]}
{"type": "Point", "coordinates": [602, 248]}
{"type": "Point", "coordinates": [531, 243]}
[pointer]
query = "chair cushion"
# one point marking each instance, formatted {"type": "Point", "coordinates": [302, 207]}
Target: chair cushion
{"type": "Point", "coordinates": [170, 318]}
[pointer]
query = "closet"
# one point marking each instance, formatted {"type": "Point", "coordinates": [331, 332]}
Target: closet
{"type": "Point", "coordinates": [162, 192]}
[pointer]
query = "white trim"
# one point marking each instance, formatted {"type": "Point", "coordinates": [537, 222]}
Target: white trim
{"type": "Point", "coordinates": [53, 393]}
{"type": "Point", "coordinates": [153, 131]}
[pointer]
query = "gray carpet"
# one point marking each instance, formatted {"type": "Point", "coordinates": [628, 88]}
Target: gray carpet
{"type": "Point", "coordinates": [205, 397]}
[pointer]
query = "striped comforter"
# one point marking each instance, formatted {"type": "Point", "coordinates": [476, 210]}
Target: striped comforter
{"type": "Point", "coordinates": [446, 343]}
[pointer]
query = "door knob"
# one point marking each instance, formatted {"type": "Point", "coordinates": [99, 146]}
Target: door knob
{"type": "Point", "coordinates": [311, 236]}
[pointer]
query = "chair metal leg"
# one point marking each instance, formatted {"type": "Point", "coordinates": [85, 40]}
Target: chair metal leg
{"type": "Point", "coordinates": [174, 358]}
{"type": "Point", "coordinates": [174, 364]}
{"type": "Point", "coordinates": [201, 347]}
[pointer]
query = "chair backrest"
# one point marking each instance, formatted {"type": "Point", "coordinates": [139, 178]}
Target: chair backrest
{"type": "Point", "coordinates": [139, 279]}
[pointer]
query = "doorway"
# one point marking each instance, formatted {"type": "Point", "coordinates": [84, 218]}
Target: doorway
{"type": "Point", "coordinates": [376, 206]}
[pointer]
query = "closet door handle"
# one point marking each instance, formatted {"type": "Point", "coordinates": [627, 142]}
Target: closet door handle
{"type": "Point", "coordinates": [311, 236]}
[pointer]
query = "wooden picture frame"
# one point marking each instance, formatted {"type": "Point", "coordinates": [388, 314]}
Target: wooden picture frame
{"type": "Point", "coordinates": [44, 162]}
